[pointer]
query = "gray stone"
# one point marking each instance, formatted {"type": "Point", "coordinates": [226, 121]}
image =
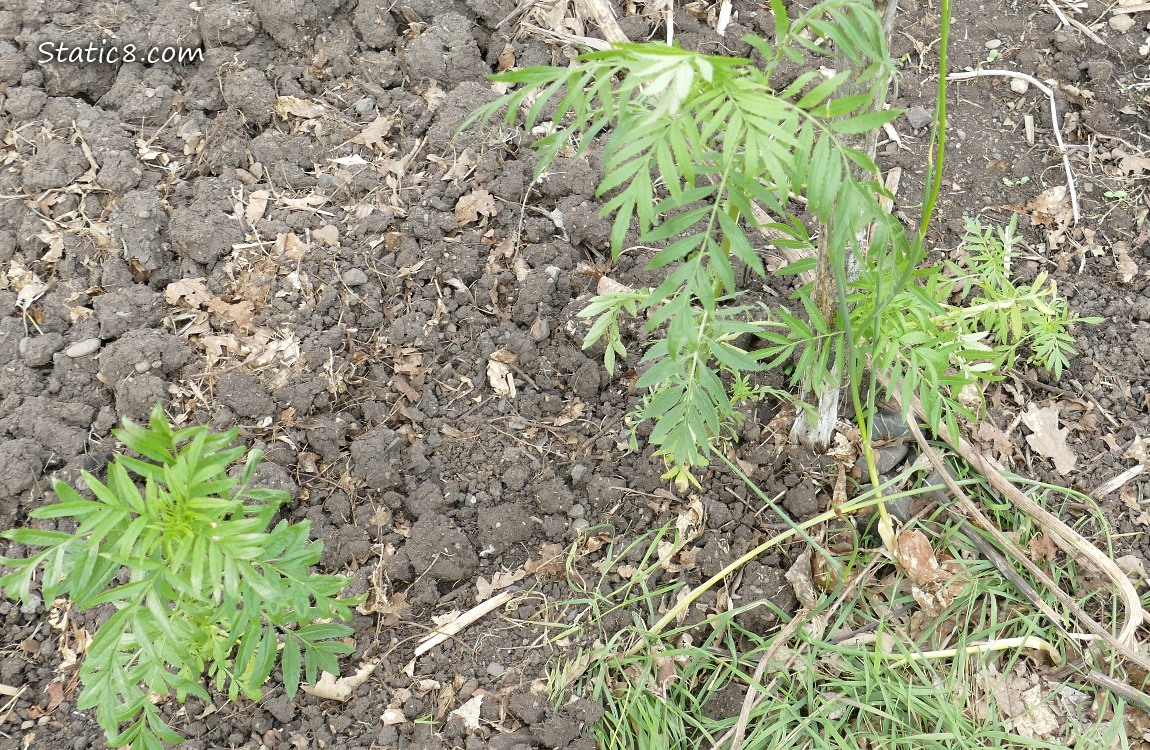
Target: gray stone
{"type": "Point", "coordinates": [1121, 23]}
{"type": "Point", "coordinates": [83, 348]}
{"type": "Point", "coordinates": [919, 117]}
{"type": "Point", "coordinates": [889, 456]}
{"type": "Point", "coordinates": [355, 277]}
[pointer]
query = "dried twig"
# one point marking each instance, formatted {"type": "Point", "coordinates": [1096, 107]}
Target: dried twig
{"type": "Point", "coordinates": [1069, 21]}
{"type": "Point", "coordinates": [1070, 540]}
{"type": "Point", "coordinates": [564, 38]}
{"type": "Point", "coordinates": [1117, 482]}
{"type": "Point", "coordinates": [443, 632]}
{"type": "Point", "coordinates": [1054, 121]}
{"type": "Point", "coordinates": [605, 19]}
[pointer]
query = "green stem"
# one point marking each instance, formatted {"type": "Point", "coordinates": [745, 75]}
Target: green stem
{"type": "Point", "coordinates": [938, 129]}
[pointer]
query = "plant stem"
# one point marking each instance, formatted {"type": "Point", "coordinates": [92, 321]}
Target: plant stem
{"type": "Point", "coordinates": [821, 390]}
{"type": "Point", "coordinates": [938, 129]}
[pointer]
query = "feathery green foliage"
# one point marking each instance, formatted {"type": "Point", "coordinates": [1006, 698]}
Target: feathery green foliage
{"type": "Point", "coordinates": [201, 587]}
{"type": "Point", "coordinates": [694, 144]}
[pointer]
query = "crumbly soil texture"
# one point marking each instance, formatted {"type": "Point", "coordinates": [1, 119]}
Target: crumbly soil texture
{"type": "Point", "coordinates": [287, 234]}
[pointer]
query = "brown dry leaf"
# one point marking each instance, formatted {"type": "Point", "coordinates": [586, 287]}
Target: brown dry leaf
{"type": "Point", "coordinates": [55, 698]}
{"type": "Point", "coordinates": [933, 585]}
{"type": "Point", "coordinates": [1051, 209]}
{"type": "Point", "coordinates": [1132, 164]}
{"type": "Point", "coordinates": [800, 577]}
{"type": "Point", "coordinates": [381, 600]}
{"type": "Point", "coordinates": [290, 246]}
{"type": "Point", "coordinates": [306, 203]}
{"type": "Point", "coordinates": [551, 562]}
{"type": "Point", "coordinates": [1138, 450]}
{"type": "Point", "coordinates": [457, 169]}
{"type": "Point", "coordinates": [1127, 266]}
{"type": "Point", "coordinates": [572, 411]}
{"type": "Point", "coordinates": [690, 523]}
{"type": "Point", "coordinates": [305, 108]}
{"type": "Point", "coordinates": [989, 435]}
{"type": "Point", "coordinates": [340, 689]}
{"type": "Point", "coordinates": [194, 292]}
{"type": "Point", "coordinates": [1042, 548]}
{"type": "Point", "coordinates": [1048, 440]}
{"type": "Point", "coordinates": [327, 234]}
{"type": "Point", "coordinates": [499, 373]}
{"type": "Point", "coordinates": [374, 136]}
{"type": "Point", "coordinates": [501, 580]}
{"type": "Point", "coordinates": [257, 205]}
{"type": "Point", "coordinates": [1020, 698]}
{"type": "Point", "coordinates": [506, 59]}
{"type": "Point", "coordinates": [915, 555]}
{"type": "Point", "coordinates": [1079, 96]}
{"type": "Point", "coordinates": [239, 313]}
{"type": "Point", "coordinates": [477, 203]}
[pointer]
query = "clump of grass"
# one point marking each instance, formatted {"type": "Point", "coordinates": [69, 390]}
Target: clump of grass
{"type": "Point", "coordinates": [858, 669]}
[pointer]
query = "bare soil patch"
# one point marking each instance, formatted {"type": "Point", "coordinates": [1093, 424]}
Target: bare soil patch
{"type": "Point", "coordinates": [288, 235]}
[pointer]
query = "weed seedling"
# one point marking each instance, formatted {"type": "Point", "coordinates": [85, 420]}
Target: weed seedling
{"type": "Point", "coordinates": [201, 587]}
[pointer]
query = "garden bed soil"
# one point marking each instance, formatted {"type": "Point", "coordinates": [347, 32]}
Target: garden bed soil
{"type": "Point", "coordinates": [289, 236]}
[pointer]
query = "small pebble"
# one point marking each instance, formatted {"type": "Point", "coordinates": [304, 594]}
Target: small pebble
{"type": "Point", "coordinates": [496, 670]}
{"type": "Point", "coordinates": [354, 277]}
{"type": "Point", "coordinates": [994, 44]}
{"type": "Point", "coordinates": [540, 329]}
{"type": "Point", "coordinates": [919, 117]}
{"type": "Point", "coordinates": [580, 523]}
{"type": "Point", "coordinates": [365, 105]}
{"type": "Point", "coordinates": [577, 511]}
{"type": "Point", "coordinates": [1019, 86]}
{"type": "Point", "coordinates": [142, 367]}
{"type": "Point", "coordinates": [1121, 23]}
{"type": "Point", "coordinates": [579, 472]}
{"type": "Point", "coordinates": [888, 424]}
{"type": "Point", "coordinates": [83, 348]}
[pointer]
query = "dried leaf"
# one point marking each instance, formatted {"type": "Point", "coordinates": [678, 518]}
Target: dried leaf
{"type": "Point", "coordinates": [194, 292]}
{"type": "Point", "coordinates": [289, 246]}
{"type": "Point", "coordinates": [1127, 266]}
{"type": "Point", "coordinates": [1051, 207]}
{"type": "Point", "coordinates": [506, 59]}
{"type": "Point", "coordinates": [257, 205]}
{"type": "Point", "coordinates": [501, 580]}
{"type": "Point", "coordinates": [1132, 164]}
{"type": "Point", "coordinates": [1001, 445]}
{"type": "Point", "coordinates": [477, 203]}
{"type": "Point", "coordinates": [1042, 548]}
{"type": "Point", "coordinates": [340, 689]}
{"type": "Point", "coordinates": [374, 136]}
{"type": "Point", "coordinates": [499, 373]}
{"type": "Point", "coordinates": [306, 203]}
{"type": "Point", "coordinates": [1048, 440]}
{"type": "Point", "coordinates": [915, 555]}
{"type": "Point", "coordinates": [551, 562]}
{"type": "Point", "coordinates": [327, 234]}
{"type": "Point", "coordinates": [305, 108]}
{"type": "Point", "coordinates": [468, 713]}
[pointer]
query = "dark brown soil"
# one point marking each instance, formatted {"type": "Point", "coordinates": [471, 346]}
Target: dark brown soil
{"type": "Point", "coordinates": [288, 236]}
